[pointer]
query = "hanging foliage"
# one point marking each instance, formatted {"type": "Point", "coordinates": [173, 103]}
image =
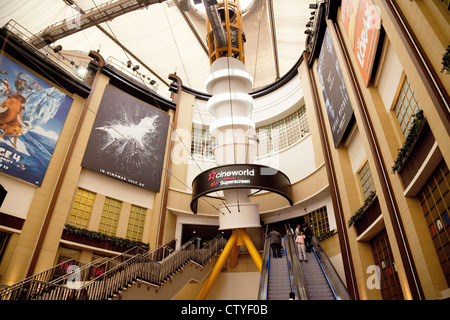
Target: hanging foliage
{"type": "Point", "coordinates": [116, 241]}
{"type": "Point", "coordinates": [358, 213]}
{"type": "Point", "coordinates": [405, 150]}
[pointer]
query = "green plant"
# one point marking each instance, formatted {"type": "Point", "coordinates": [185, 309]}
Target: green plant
{"type": "Point", "coordinates": [405, 150]}
{"type": "Point", "coordinates": [117, 241]}
{"type": "Point", "coordinates": [326, 235]}
{"type": "Point", "coordinates": [446, 61]}
{"type": "Point", "coordinates": [358, 213]}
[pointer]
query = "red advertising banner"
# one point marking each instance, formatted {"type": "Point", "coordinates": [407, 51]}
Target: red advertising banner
{"type": "Point", "coordinates": [362, 22]}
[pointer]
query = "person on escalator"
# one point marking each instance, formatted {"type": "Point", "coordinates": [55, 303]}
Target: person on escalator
{"type": "Point", "coordinates": [275, 243]}
{"type": "Point", "coordinates": [308, 236]}
{"type": "Point", "coordinates": [300, 240]}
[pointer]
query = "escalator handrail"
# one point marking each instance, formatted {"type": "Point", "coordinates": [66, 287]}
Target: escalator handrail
{"type": "Point", "coordinates": [337, 285]}
{"type": "Point", "coordinates": [325, 274]}
{"type": "Point", "coordinates": [299, 283]}
{"type": "Point", "coordinates": [288, 256]}
{"type": "Point", "coordinates": [264, 280]}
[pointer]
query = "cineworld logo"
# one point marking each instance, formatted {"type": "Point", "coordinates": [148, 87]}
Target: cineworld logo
{"type": "Point", "coordinates": [230, 177]}
{"type": "Point", "coordinates": [240, 176]}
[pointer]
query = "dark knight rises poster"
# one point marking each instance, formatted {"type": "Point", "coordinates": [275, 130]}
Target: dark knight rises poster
{"type": "Point", "coordinates": [128, 140]}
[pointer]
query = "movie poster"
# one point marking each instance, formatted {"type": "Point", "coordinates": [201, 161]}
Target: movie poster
{"type": "Point", "coordinates": [32, 114]}
{"type": "Point", "coordinates": [337, 101]}
{"type": "Point", "coordinates": [128, 140]}
{"type": "Point", "coordinates": [362, 23]}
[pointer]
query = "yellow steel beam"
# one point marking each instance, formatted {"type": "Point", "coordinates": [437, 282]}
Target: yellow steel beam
{"type": "Point", "coordinates": [238, 237]}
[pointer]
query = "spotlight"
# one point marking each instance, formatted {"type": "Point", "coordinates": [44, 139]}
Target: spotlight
{"type": "Point", "coordinates": [313, 6]}
{"type": "Point", "coordinates": [47, 40]}
{"type": "Point", "coordinates": [309, 31]}
{"type": "Point", "coordinates": [129, 64]}
{"type": "Point", "coordinates": [57, 48]}
{"type": "Point", "coordinates": [313, 13]}
{"type": "Point", "coordinates": [152, 82]}
{"type": "Point", "coordinates": [309, 24]}
{"type": "Point", "coordinates": [135, 68]}
{"type": "Point", "coordinates": [81, 72]}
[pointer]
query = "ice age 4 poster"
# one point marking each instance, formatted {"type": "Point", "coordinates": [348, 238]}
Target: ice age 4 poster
{"type": "Point", "coordinates": [32, 114]}
{"type": "Point", "coordinates": [128, 140]}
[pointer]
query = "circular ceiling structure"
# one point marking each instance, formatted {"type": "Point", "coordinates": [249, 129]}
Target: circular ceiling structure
{"type": "Point", "coordinates": [168, 37]}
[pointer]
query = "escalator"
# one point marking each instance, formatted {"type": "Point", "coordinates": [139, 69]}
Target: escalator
{"type": "Point", "coordinates": [313, 280]}
{"type": "Point", "coordinates": [279, 285]}
{"type": "Point", "coordinates": [316, 282]}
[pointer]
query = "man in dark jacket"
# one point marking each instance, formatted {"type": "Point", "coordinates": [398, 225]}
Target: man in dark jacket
{"type": "Point", "coordinates": [275, 242]}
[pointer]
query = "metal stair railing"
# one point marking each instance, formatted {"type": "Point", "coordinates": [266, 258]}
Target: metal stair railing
{"type": "Point", "coordinates": [97, 267]}
{"type": "Point", "coordinates": [145, 268]}
{"type": "Point", "coordinates": [30, 286]}
{"type": "Point", "coordinates": [158, 272]}
{"type": "Point", "coordinates": [57, 278]}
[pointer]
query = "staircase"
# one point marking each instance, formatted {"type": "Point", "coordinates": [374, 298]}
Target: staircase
{"type": "Point", "coordinates": [134, 267]}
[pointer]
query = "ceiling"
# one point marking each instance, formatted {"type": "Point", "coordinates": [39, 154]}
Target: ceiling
{"type": "Point", "coordinates": [167, 37]}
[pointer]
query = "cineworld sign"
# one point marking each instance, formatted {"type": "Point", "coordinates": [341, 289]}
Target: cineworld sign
{"type": "Point", "coordinates": [240, 176]}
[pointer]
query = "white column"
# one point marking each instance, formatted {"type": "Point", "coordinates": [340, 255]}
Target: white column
{"type": "Point", "coordinates": [235, 133]}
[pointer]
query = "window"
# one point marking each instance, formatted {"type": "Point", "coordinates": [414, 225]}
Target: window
{"type": "Point", "coordinates": [406, 106]}
{"type": "Point", "coordinates": [136, 222]}
{"type": "Point", "coordinates": [110, 216]}
{"type": "Point", "coordinates": [81, 208]}
{"type": "Point", "coordinates": [384, 259]}
{"type": "Point", "coordinates": [282, 133]}
{"type": "Point", "coordinates": [318, 219]}
{"type": "Point", "coordinates": [272, 137]}
{"type": "Point", "coordinates": [202, 143]}
{"type": "Point", "coordinates": [435, 201]}
{"type": "Point", "coordinates": [366, 180]}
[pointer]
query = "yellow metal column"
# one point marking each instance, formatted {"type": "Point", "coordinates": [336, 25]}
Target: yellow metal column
{"type": "Point", "coordinates": [218, 267]}
{"type": "Point", "coordinates": [239, 237]}
{"type": "Point", "coordinates": [251, 249]}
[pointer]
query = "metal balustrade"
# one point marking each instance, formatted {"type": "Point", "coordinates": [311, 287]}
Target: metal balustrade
{"type": "Point", "coordinates": [104, 278]}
